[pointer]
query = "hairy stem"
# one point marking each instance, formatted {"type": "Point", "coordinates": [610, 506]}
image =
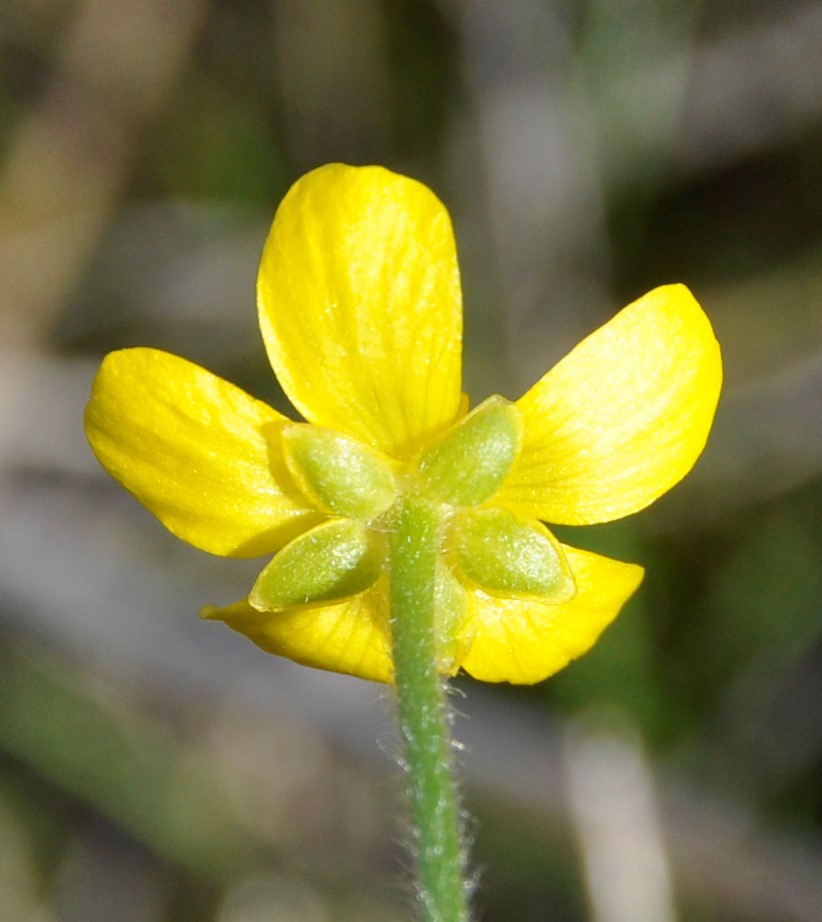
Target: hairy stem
{"type": "Point", "coordinates": [423, 714]}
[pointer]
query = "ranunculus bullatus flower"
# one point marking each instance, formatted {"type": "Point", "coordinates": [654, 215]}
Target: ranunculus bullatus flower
{"type": "Point", "coordinates": [360, 311]}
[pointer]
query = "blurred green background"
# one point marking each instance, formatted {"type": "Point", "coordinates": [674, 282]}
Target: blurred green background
{"type": "Point", "coordinates": [155, 768]}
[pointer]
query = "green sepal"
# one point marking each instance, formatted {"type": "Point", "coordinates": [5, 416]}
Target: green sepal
{"type": "Point", "coordinates": [468, 464]}
{"type": "Point", "coordinates": [510, 556]}
{"type": "Point", "coordinates": [337, 473]}
{"type": "Point", "coordinates": [451, 617]}
{"type": "Point", "coordinates": [329, 563]}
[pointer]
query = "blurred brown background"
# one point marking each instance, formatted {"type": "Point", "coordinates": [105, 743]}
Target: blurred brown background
{"type": "Point", "coordinates": [155, 768]}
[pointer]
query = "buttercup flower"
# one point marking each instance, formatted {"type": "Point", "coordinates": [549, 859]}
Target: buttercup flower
{"type": "Point", "coordinates": [360, 311]}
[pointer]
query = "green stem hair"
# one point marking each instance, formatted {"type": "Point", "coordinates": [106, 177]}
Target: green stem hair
{"type": "Point", "coordinates": [423, 714]}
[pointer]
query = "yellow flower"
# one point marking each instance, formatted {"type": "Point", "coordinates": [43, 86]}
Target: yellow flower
{"type": "Point", "coordinates": [360, 311]}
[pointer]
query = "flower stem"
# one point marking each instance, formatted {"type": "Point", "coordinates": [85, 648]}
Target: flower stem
{"type": "Point", "coordinates": [423, 715]}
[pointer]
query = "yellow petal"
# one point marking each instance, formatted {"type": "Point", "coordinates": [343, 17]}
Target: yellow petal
{"type": "Point", "coordinates": [349, 637]}
{"type": "Point", "coordinates": [360, 306]}
{"type": "Point", "coordinates": [525, 642]}
{"type": "Point", "coordinates": [198, 452]}
{"type": "Point", "coordinates": [622, 418]}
